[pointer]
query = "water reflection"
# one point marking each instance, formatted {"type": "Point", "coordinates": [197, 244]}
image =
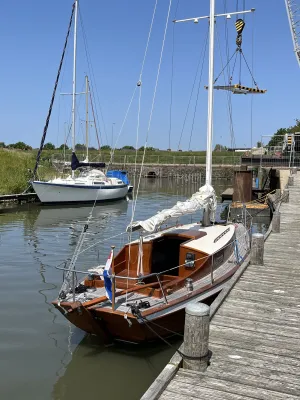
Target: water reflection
{"type": "Point", "coordinates": [40, 354]}
{"type": "Point", "coordinates": [118, 372]}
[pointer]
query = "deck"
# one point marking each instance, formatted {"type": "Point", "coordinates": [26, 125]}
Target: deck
{"type": "Point", "coordinates": [255, 334]}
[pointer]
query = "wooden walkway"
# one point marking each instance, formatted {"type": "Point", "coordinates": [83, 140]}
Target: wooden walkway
{"type": "Point", "coordinates": [255, 334]}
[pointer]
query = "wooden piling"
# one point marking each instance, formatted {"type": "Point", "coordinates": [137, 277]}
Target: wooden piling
{"type": "Point", "coordinates": [196, 334]}
{"type": "Point", "coordinates": [276, 222]}
{"type": "Point", "coordinates": [257, 249]}
{"type": "Point", "coordinates": [285, 195]}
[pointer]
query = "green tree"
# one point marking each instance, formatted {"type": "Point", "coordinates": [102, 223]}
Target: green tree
{"type": "Point", "coordinates": [259, 144]}
{"type": "Point", "coordinates": [278, 136]}
{"type": "Point", "coordinates": [2, 145]}
{"type": "Point", "coordinates": [20, 146]}
{"type": "Point", "coordinates": [128, 148]}
{"type": "Point", "coordinates": [49, 146]}
{"type": "Point", "coordinates": [220, 147]}
{"type": "Point", "coordinates": [79, 146]}
{"type": "Point", "coordinates": [62, 146]}
{"type": "Point", "coordinates": [106, 147]}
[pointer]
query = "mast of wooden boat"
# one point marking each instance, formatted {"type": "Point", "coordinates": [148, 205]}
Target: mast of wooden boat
{"type": "Point", "coordinates": [74, 80]}
{"type": "Point", "coordinates": [210, 100]}
{"type": "Point", "coordinates": [87, 117]}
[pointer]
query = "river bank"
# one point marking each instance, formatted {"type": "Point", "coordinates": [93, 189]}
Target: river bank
{"type": "Point", "coordinates": [16, 170]}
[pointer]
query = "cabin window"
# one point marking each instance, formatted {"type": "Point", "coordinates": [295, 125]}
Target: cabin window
{"type": "Point", "coordinates": [189, 260]}
{"type": "Point", "coordinates": [99, 183]}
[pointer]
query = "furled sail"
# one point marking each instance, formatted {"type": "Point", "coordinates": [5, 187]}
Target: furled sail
{"type": "Point", "coordinates": [204, 197]}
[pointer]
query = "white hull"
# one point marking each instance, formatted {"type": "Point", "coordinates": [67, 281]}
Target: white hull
{"type": "Point", "coordinates": [49, 192]}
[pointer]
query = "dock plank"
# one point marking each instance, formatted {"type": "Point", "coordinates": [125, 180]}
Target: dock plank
{"type": "Point", "coordinates": [255, 332]}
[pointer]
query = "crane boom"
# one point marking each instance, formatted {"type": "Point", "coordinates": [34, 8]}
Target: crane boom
{"type": "Point", "coordinates": [293, 13]}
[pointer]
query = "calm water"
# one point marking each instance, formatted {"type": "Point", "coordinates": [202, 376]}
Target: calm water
{"type": "Point", "coordinates": [41, 355]}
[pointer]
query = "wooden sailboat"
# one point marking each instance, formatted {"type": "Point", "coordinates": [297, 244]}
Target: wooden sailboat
{"type": "Point", "coordinates": [142, 291]}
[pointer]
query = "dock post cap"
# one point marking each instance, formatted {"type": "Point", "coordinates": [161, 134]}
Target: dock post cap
{"type": "Point", "coordinates": [257, 235]}
{"type": "Point", "coordinates": [197, 309]}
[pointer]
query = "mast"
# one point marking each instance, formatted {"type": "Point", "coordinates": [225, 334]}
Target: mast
{"type": "Point", "coordinates": [210, 94]}
{"type": "Point", "coordinates": [74, 80]}
{"type": "Point", "coordinates": [87, 117]}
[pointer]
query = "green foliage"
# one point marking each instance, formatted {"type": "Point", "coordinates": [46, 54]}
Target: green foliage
{"type": "Point", "coordinates": [79, 146]}
{"type": "Point", "coordinates": [16, 170]}
{"type": "Point", "coordinates": [106, 147]}
{"type": "Point", "coordinates": [283, 131]}
{"type": "Point", "coordinates": [63, 146]}
{"type": "Point", "coordinates": [220, 147]}
{"type": "Point", "coordinates": [2, 145]}
{"type": "Point", "coordinates": [49, 146]}
{"type": "Point", "coordinates": [259, 144]}
{"type": "Point", "coordinates": [20, 146]}
{"type": "Point", "coordinates": [128, 148]}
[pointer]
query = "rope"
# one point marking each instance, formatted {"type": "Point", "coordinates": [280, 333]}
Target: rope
{"type": "Point", "coordinates": [96, 128]}
{"type": "Point", "coordinates": [152, 108]}
{"type": "Point", "coordinates": [90, 67]}
{"type": "Point", "coordinates": [228, 94]}
{"type": "Point", "coordinates": [53, 96]}
{"type": "Point", "coordinates": [193, 87]}
{"type": "Point", "coordinates": [184, 356]}
{"type": "Point", "coordinates": [198, 91]}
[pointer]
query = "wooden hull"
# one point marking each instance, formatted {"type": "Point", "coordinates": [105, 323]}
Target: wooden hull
{"type": "Point", "coordinates": [113, 326]}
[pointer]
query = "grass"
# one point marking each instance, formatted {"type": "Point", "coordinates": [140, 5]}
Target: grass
{"type": "Point", "coordinates": [15, 170]}
{"type": "Point", "coordinates": [16, 165]}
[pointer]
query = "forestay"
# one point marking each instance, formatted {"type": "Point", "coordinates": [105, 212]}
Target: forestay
{"type": "Point", "coordinates": [205, 196]}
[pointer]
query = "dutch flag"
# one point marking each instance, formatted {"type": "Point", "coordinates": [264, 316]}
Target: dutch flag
{"type": "Point", "coordinates": [107, 281]}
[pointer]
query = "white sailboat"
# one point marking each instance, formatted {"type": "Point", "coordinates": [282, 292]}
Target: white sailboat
{"type": "Point", "coordinates": [152, 279]}
{"type": "Point", "coordinates": [89, 186]}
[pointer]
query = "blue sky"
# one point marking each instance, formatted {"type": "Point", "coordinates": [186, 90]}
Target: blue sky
{"type": "Point", "coordinates": [32, 36]}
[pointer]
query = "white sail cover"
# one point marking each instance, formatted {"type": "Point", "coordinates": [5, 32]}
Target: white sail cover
{"type": "Point", "coordinates": [205, 196]}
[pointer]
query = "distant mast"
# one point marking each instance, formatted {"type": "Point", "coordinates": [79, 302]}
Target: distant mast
{"type": "Point", "coordinates": [74, 80]}
{"type": "Point", "coordinates": [87, 117]}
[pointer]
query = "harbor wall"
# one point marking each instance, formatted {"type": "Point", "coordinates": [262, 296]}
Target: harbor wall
{"type": "Point", "coordinates": [195, 172]}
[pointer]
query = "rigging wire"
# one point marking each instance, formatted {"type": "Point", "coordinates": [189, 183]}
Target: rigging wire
{"type": "Point", "coordinates": [90, 67]}
{"type": "Point", "coordinates": [228, 94]}
{"type": "Point", "coordinates": [197, 97]}
{"type": "Point", "coordinates": [53, 96]}
{"type": "Point", "coordinates": [152, 107]}
{"type": "Point", "coordinates": [192, 91]}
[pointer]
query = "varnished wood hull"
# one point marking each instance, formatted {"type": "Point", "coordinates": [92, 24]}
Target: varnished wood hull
{"type": "Point", "coordinates": [113, 326]}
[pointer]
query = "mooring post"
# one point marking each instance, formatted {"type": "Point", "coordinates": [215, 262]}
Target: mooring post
{"type": "Point", "coordinates": [257, 249]}
{"type": "Point", "coordinates": [196, 334]}
{"type": "Point", "coordinates": [285, 195]}
{"type": "Point", "coordinates": [291, 180]}
{"type": "Point", "coordinates": [276, 222]}
{"type": "Point", "coordinates": [294, 170]}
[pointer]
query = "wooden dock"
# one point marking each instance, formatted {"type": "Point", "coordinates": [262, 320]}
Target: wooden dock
{"type": "Point", "coordinates": [19, 198]}
{"type": "Point", "coordinates": [255, 328]}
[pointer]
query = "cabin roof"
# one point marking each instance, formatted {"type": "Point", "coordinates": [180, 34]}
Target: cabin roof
{"type": "Point", "coordinates": [217, 237]}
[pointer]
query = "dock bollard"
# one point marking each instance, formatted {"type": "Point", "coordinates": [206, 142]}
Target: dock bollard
{"type": "Point", "coordinates": [294, 170]}
{"type": "Point", "coordinates": [291, 180]}
{"type": "Point", "coordinates": [196, 334]}
{"type": "Point", "coordinates": [276, 222]}
{"type": "Point", "coordinates": [285, 195]}
{"type": "Point", "coordinates": [257, 249]}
